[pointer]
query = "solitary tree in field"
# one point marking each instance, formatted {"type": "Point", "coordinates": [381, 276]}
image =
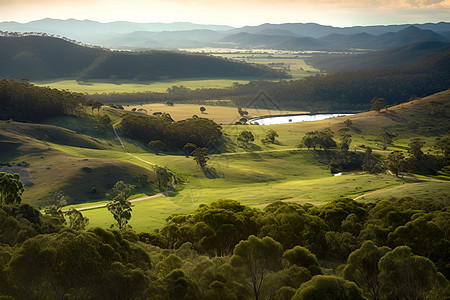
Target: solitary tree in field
{"type": "Point", "coordinates": [271, 135]}
{"type": "Point", "coordinates": [396, 162]}
{"type": "Point", "coordinates": [202, 109]}
{"type": "Point", "coordinates": [120, 207]}
{"type": "Point", "coordinates": [378, 104]}
{"type": "Point", "coordinates": [245, 138]}
{"type": "Point", "coordinates": [163, 177]}
{"type": "Point", "coordinates": [346, 138]}
{"type": "Point", "coordinates": [200, 156]}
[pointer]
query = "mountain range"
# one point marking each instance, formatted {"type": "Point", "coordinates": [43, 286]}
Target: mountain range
{"type": "Point", "coordinates": [289, 36]}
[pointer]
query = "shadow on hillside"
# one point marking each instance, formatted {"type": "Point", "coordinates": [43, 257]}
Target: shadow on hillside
{"type": "Point", "coordinates": [212, 173]}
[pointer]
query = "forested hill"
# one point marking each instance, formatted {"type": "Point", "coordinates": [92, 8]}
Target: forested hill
{"type": "Point", "coordinates": [43, 57]}
{"type": "Point", "coordinates": [350, 90]}
{"type": "Point", "coordinates": [399, 56]}
{"type": "Point", "coordinates": [354, 89]}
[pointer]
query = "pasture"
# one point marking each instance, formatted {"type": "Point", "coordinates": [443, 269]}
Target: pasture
{"type": "Point", "coordinates": [293, 63]}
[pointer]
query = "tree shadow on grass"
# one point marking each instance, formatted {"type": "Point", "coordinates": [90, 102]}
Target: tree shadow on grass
{"type": "Point", "coordinates": [212, 173]}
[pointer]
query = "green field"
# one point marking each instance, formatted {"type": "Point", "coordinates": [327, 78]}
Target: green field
{"type": "Point", "coordinates": [255, 176]}
{"type": "Point", "coordinates": [100, 87]}
{"type": "Point", "coordinates": [294, 64]}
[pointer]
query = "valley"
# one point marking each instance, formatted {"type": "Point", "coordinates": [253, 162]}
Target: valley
{"type": "Point", "coordinates": [136, 163]}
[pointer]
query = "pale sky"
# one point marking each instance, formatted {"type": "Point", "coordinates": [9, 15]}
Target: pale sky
{"type": "Point", "coordinates": [232, 12]}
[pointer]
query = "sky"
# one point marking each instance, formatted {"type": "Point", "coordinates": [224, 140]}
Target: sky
{"type": "Point", "coordinates": [235, 13]}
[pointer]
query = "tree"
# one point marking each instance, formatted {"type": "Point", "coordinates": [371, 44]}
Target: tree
{"type": "Point", "coordinates": [396, 162]}
{"type": "Point", "coordinates": [156, 146]}
{"type": "Point", "coordinates": [242, 112]}
{"type": "Point", "coordinates": [302, 257]}
{"type": "Point", "coordinates": [202, 109]}
{"type": "Point", "coordinates": [346, 138]}
{"type": "Point", "coordinates": [189, 148]}
{"type": "Point", "coordinates": [120, 207]}
{"type": "Point", "coordinates": [362, 268]}
{"type": "Point", "coordinates": [326, 287]}
{"type": "Point", "coordinates": [378, 104]}
{"type": "Point", "coordinates": [244, 138]}
{"type": "Point", "coordinates": [271, 135]}
{"type": "Point", "coordinates": [404, 275]}
{"type": "Point", "coordinates": [323, 139]}
{"type": "Point", "coordinates": [386, 137]}
{"type": "Point", "coordinates": [443, 144]}
{"type": "Point", "coordinates": [11, 188]}
{"type": "Point", "coordinates": [371, 163]}
{"type": "Point", "coordinates": [201, 156]}
{"type": "Point", "coordinates": [255, 258]}
{"type": "Point", "coordinates": [415, 148]}
{"type": "Point", "coordinates": [76, 219]}
{"type": "Point", "coordinates": [422, 236]}
{"type": "Point", "coordinates": [103, 123]}
{"type": "Point", "coordinates": [163, 177]}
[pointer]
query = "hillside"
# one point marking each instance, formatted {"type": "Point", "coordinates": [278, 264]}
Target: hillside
{"type": "Point", "coordinates": [404, 55]}
{"type": "Point", "coordinates": [352, 90]}
{"type": "Point", "coordinates": [39, 57]}
{"type": "Point", "coordinates": [32, 151]}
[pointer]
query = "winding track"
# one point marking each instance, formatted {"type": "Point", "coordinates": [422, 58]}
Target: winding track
{"type": "Point", "coordinates": [134, 200]}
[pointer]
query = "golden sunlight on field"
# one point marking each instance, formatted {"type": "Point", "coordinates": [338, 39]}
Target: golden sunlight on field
{"type": "Point", "coordinates": [220, 114]}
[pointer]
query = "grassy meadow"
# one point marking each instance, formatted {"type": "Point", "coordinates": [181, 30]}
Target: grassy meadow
{"type": "Point", "coordinates": [76, 159]}
{"type": "Point", "coordinates": [293, 63]}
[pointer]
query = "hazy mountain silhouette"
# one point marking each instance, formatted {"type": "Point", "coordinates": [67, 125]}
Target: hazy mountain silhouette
{"type": "Point", "coordinates": [289, 36]}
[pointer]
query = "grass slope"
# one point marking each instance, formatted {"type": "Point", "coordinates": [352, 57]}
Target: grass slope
{"type": "Point", "coordinates": [32, 151]}
{"type": "Point", "coordinates": [255, 176]}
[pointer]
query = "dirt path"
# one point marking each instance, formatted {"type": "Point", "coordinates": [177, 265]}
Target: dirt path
{"type": "Point", "coordinates": [132, 201]}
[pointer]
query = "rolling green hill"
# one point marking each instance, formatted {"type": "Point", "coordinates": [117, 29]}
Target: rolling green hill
{"type": "Point", "coordinates": [32, 150]}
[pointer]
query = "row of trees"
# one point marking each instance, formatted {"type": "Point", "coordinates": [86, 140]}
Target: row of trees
{"type": "Point", "coordinates": [164, 133]}
{"type": "Point", "coordinates": [24, 102]}
{"type": "Point", "coordinates": [333, 92]}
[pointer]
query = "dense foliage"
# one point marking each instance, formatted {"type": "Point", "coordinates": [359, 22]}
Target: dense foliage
{"type": "Point", "coordinates": [38, 57]}
{"type": "Point", "coordinates": [202, 132]}
{"type": "Point", "coordinates": [389, 250]}
{"type": "Point", "coordinates": [24, 102]}
{"type": "Point", "coordinates": [339, 91]}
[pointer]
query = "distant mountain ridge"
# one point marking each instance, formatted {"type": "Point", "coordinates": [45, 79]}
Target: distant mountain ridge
{"type": "Point", "coordinates": [129, 35]}
{"type": "Point", "coordinates": [40, 57]}
{"type": "Point", "coordinates": [399, 56]}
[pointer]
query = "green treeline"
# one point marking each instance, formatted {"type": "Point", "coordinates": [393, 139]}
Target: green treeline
{"type": "Point", "coordinates": [350, 90]}
{"type": "Point", "coordinates": [224, 250]}
{"type": "Point", "coordinates": [22, 101]}
{"type": "Point", "coordinates": [201, 132]}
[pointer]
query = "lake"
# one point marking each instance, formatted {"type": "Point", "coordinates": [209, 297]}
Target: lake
{"type": "Point", "coordinates": [272, 120]}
